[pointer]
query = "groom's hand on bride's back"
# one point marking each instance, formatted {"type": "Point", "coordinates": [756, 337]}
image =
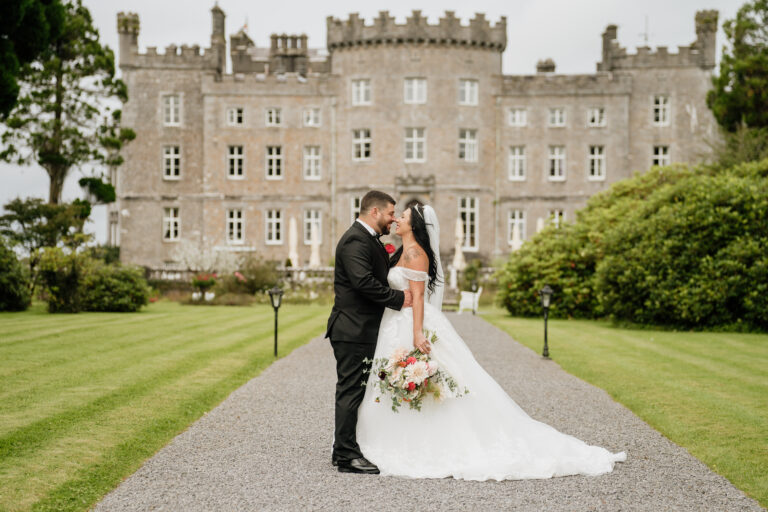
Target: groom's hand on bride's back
{"type": "Point", "coordinates": [408, 302]}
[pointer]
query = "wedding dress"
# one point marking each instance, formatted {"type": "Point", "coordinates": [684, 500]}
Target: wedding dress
{"type": "Point", "coordinates": [482, 435]}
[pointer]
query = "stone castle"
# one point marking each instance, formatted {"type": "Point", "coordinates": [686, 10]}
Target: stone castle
{"type": "Point", "coordinates": [422, 111]}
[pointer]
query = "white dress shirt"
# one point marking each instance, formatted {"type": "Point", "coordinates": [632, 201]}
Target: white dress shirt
{"type": "Point", "coordinates": [367, 227]}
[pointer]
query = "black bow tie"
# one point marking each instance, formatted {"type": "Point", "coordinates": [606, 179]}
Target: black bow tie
{"type": "Point", "coordinates": [377, 236]}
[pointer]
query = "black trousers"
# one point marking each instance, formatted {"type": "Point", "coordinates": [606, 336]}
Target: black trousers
{"type": "Point", "coordinates": [349, 394]}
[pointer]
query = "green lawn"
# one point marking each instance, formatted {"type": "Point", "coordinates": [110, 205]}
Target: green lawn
{"type": "Point", "coordinates": [707, 392]}
{"type": "Point", "coordinates": [86, 398]}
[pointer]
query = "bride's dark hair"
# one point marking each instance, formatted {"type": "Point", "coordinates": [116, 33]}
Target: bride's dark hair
{"type": "Point", "coordinates": [419, 228]}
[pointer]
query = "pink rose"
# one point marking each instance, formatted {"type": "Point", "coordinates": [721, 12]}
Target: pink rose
{"type": "Point", "coordinates": [410, 360]}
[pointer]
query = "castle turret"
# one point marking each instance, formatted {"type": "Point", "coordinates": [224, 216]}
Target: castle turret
{"type": "Point", "coordinates": [706, 29]}
{"type": "Point", "coordinates": [701, 53]}
{"type": "Point", "coordinates": [128, 33]}
{"type": "Point", "coordinates": [609, 40]}
{"type": "Point", "coordinates": [218, 40]}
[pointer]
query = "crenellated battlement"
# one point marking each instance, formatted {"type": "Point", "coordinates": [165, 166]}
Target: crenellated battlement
{"type": "Point", "coordinates": [177, 57]}
{"type": "Point", "coordinates": [701, 53]}
{"type": "Point", "coordinates": [449, 31]}
{"type": "Point", "coordinates": [545, 84]}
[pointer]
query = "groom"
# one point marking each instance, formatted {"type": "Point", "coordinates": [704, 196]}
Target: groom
{"type": "Point", "coordinates": [361, 294]}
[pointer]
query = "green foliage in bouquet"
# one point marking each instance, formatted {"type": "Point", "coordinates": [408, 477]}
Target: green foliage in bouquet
{"type": "Point", "coordinates": [411, 376]}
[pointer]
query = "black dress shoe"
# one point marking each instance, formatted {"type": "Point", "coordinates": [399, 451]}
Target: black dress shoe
{"type": "Point", "coordinates": [361, 465]}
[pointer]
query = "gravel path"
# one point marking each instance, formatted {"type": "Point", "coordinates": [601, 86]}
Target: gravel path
{"type": "Point", "coordinates": [267, 447]}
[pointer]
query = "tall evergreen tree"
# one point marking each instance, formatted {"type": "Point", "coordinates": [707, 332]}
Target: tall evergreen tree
{"type": "Point", "coordinates": [26, 28]}
{"type": "Point", "coordinates": [740, 94]}
{"type": "Point", "coordinates": [67, 114]}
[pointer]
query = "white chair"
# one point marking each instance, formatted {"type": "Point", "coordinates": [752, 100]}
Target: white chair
{"type": "Point", "coordinates": [470, 300]}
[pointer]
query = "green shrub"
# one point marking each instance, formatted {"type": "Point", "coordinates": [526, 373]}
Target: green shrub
{"type": "Point", "coordinates": [676, 246]}
{"type": "Point", "coordinates": [14, 284]}
{"type": "Point", "coordinates": [565, 258]}
{"type": "Point", "coordinates": [693, 255]}
{"type": "Point", "coordinates": [259, 274]}
{"type": "Point", "coordinates": [115, 288]}
{"type": "Point", "coordinates": [61, 274]}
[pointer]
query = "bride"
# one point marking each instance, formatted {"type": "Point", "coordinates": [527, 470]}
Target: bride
{"type": "Point", "coordinates": [482, 435]}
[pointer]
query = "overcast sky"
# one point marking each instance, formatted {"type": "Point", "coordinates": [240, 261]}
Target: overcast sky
{"type": "Point", "coordinates": [567, 31]}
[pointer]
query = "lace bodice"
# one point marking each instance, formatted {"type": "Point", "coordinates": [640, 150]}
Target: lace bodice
{"type": "Point", "coordinates": [398, 277]}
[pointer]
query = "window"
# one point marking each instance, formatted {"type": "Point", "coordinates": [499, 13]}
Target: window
{"type": "Point", "coordinates": [235, 116]}
{"type": "Point", "coordinates": [312, 221]}
{"type": "Point", "coordinates": [661, 110]}
{"type": "Point", "coordinates": [355, 207]}
{"type": "Point", "coordinates": [235, 159]}
{"type": "Point", "coordinates": [596, 117]}
{"type": "Point", "coordinates": [311, 117]}
{"type": "Point", "coordinates": [274, 162]}
{"type": "Point", "coordinates": [516, 219]}
{"type": "Point", "coordinates": [273, 117]}
{"type": "Point", "coordinates": [516, 166]}
{"type": "Point", "coordinates": [557, 116]}
{"type": "Point", "coordinates": [171, 110]}
{"type": "Point", "coordinates": [596, 162]}
{"type": "Point", "coordinates": [171, 162]}
{"type": "Point", "coordinates": [114, 231]}
{"type": "Point", "coordinates": [517, 117]}
{"type": "Point", "coordinates": [557, 217]}
{"type": "Point", "coordinates": [312, 162]}
{"type": "Point", "coordinates": [235, 226]}
{"type": "Point", "coordinates": [361, 144]}
{"type": "Point", "coordinates": [468, 215]}
{"type": "Point", "coordinates": [274, 231]}
{"type": "Point", "coordinates": [415, 145]}
{"type": "Point", "coordinates": [660, 155]}
{"type": "Point", "coordinates": [415, 90]}
{"type": "Point", "coordinates": [171, 224]}
{"type": "Point", "coordinates": [361, 92]}
{"type": "Point", "coordinates": [468, 145]}
{"type": "Point", "coordinates": [556, 163]}
{"type": "Point", "coordinates": [468, 92]}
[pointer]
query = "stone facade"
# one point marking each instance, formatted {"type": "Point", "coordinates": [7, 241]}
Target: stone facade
{"type": "Point", "coordinates": [420, 111]}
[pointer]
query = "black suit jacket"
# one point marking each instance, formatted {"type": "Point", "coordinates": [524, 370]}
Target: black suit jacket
{"type": "Point", "coordinates": [360, 288]}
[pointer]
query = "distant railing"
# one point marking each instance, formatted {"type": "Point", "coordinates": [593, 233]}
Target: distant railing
{"type": "Point", "coordinates": [294, 274]}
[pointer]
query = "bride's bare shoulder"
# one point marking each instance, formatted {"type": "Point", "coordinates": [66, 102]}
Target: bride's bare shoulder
{"type": "Point", "coordinates": [415, 258]}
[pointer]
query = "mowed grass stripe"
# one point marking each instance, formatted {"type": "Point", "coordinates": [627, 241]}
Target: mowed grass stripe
{"type": "Point", "coordinates": [681, 383]}
{"type": "Point", "coordinates": [141, 349]}
{"type": "Point", "coordinates": [141, 410]}
{"type": "Point", "coordinates": [27, 438]}
{"type": "Point", "coordinates": [90, 483]}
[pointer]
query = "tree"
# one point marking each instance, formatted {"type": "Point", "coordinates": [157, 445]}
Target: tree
{"type": "Point", "coordinates": [66, 115]}
{"type": "Point", "coordinates": [26, 29]}
{"type": "Point", "coordinates": [33, 225]}
{"type": "Point", "coordinates": [740, 94]}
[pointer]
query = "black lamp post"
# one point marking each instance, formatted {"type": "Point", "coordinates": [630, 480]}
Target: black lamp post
{"type": "Point", "coordinates": [275, 297]}
{"type": "Point", "coordinates": [546, 296]}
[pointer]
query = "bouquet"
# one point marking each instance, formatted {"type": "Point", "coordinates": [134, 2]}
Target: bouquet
{"type": "Point", "coordinates": [410, 376]}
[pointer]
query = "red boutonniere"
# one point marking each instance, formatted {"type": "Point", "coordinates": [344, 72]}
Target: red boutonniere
{"type": "Point", "coordinates": [389, 248]}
